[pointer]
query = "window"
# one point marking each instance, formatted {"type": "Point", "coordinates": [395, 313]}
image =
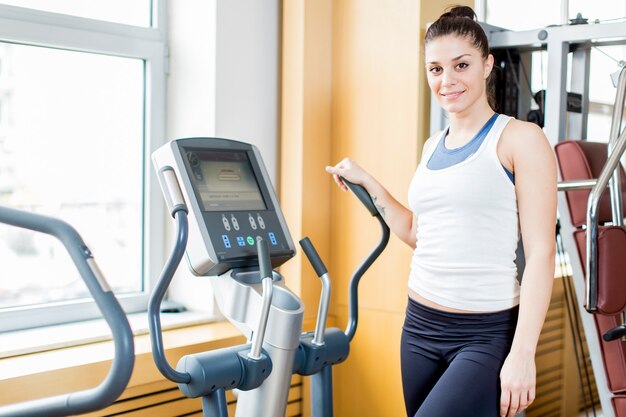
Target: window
{"type": "Point", "coordinates": [130, 12]}
{"type": "Point", "coordinates": [604, 60]}
{"type": "Point", "coordinates": [522, 15]}
{"type": "Point", "coordinates": [81, 109]}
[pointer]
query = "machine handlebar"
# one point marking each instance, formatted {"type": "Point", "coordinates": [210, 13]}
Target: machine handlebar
{"type": "Point", "coordinates": [265, 262]}
{"type": "Point", "coordinates": [313, 256]}
{"type": "Point", "coordinates": [123, 362]}
{"type": "Point", "coordinates": [362, 194]}
{"type": "Point", "coordinates": [267, 282]}
{"type": "Point", "coordinates": [320, 268]}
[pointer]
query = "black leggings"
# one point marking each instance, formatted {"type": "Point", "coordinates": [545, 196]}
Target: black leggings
{"type": "Point", "coordinates": [451, 361]}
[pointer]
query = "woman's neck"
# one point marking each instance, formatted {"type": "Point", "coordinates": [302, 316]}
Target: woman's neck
{"type": "Point", "coordinates": [464, 125]}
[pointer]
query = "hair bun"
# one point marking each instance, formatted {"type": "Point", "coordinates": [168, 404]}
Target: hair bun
{"type": "Point", "coordinates": [460, 11]}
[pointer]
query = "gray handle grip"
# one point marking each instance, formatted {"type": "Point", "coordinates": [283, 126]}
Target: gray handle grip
{"type": "Point", "coordinates": [265, 262]}
{"type": "Point", "coordinates": [362, 195]}
{"type": "Point", "coordinates": [122, 366]}
{"type": "Point", "coordinates": [314, 257]}
{"type": "Point", "coordinates": [265, 268]}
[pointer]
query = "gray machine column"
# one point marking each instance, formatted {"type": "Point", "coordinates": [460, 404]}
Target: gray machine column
{"type": "Point", "coordinates": [238, 295]}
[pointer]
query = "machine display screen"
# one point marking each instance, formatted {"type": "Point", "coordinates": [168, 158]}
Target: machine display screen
{"type": "Point", "coordinates": [225, 181]}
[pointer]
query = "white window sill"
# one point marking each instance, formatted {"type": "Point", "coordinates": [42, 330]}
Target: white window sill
{"type": "Point", "coordinates": [74, 334]}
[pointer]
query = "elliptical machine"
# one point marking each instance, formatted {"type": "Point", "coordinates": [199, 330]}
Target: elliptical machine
{"type": "Point", "coordinates": [231, 229]}
{"type": "Point", "coordinates": [122, 366]}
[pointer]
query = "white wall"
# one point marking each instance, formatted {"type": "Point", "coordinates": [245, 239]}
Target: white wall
{"type": "Point", "coordinates": [224, 72]}
{"type": "Point", "coordinates": [223, 81]}
{"type": "Point", "coordinates": [191, 80]}
{"type": "Point", "coordinates": [247, 83]}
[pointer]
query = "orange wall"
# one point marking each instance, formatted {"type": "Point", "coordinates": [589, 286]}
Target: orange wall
{"type": "Point", "coordinates": [353, 85]}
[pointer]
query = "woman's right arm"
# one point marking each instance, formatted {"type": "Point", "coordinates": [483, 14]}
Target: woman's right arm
{"type": "Point", "coordinates": [400, 219]}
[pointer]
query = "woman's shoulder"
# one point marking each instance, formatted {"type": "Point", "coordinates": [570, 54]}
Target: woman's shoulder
{"type": "Point", "coordinates": [526, 140]}
{"type": "Point", "coordinates": [430, 141]}
{"type": "Point", "coordinates": [519, 130]}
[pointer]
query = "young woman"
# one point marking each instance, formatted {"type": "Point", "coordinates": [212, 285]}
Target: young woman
{"type": "Point", "coordinates": [471, 331]}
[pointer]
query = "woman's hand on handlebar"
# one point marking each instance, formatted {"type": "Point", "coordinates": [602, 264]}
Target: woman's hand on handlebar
{"type": "Point", "coordinates": [399, 218]}
{"type": "Point", "coordinates": [349, 170]}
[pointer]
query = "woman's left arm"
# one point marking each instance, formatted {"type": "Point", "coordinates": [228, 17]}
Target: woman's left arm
{"type": "Point", "coordinates": [534, 166]}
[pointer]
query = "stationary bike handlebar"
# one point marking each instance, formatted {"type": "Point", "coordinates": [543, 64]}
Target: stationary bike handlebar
{"type": "Point", "coordinates": [122, 366]}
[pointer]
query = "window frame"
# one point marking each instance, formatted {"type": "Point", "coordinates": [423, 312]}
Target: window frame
{"type": "Point", "coordinates": [53, 30]}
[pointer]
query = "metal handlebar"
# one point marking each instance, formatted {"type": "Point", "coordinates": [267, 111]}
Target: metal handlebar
{"type": "Point", "coordinates": [367, 201]}
{"type": "Point", "coordinates": [362, 194]}
{"type": "Point", "coordinates": [575, 185]}
{"type": "Point", "coordinates": [610, 172]}
{"type": "Point", "coordinates": [177, 208]}
{"type": "Point", "coordinates": [322, 273]}
{"type": "Point", "coordinates": [265, 269]}
{"type": "Point", "coordinates": [358, 274]}
{"type": "Point", "coordinates": [124, 359]}
{"type": "Point", "coordinates": [616, 123]}
{"type": "Point", "coordinates": [154, 304]}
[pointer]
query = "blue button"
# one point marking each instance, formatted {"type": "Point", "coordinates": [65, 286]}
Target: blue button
{"type": "Point", "coordinates": [241, 241]}
{"type": "Point", "coordinates": [272, 238]}
{"type": "Point", "coordinates": [226, 241]}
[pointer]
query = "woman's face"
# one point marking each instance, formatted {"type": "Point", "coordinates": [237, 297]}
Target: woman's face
{"type": "Point", "coordinates": [456, 72]}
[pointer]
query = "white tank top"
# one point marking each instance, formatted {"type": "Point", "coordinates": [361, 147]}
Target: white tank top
{"type": "Point", "coordinates": [467, 230]}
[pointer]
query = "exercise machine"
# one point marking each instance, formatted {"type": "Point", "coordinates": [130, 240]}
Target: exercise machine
{"type": "Point", "coordinates": [596, 233]}
{"type": "Point", "coordinates": [230, 228]}
{"type": "Point", "coordinates": [122, 366]}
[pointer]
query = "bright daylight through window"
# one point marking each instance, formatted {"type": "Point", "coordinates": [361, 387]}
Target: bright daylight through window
{"type": "Point", "coordinates": [77, 119]}
{"type": "Point", "coordinates": [64, 117]}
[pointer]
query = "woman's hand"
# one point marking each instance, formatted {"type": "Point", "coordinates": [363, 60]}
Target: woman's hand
{"type": "Point", "coordinates": [517, 379]}
{"type": "Point", "coordinates": [349, 170]}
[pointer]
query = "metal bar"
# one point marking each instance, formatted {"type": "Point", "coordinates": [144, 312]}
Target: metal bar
{"type": "Point", "coordinates": [259, 335]}
{"type": "Point", "coordinates": [591, 292]}
{"type": "Point", "coordinates": [154, 305]}
{"type": "Point", "coordinates": [322, 312]}
{"type": "Point", "coordinates": [581, 64]}
{"type": "Point", "coordinates": [556, 93]}
{"type": "Point", "coordinates": [593, 342]}
{"type": "Point", "coordinates": [353, 304]}
{"type": "Point", "coordinates": [616, 123]}
{"type": "Point", "coordinates": [567, 33]}
{"type": "Point", "coordinates": [322, 393]}
{"type": "Point", "coordinates": [576, 185]}
{"type": "Point", "coordinates": [214, 404]}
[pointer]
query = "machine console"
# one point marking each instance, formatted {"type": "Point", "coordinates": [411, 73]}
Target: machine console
{"type": "Point", "coordinates": [231, 202]}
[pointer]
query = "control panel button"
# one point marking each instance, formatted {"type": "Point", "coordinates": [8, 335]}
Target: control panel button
{"type": "Point", "coordinates": [226, 241]}
{"type": "Point", "coordinates": [225, 222]}
{"type": "Point", "coordinates": [241, 241]}
{"type": "Point", "coordinates": [250, 240]}
{"type": "Point", "coordinates": [234, 221]}
{"type": "Point", "coordinates": [259, 219]}
{"type": "Point", "coordinates": [252, 222]}
{"type": "Point", "coordinates": [272, 238]}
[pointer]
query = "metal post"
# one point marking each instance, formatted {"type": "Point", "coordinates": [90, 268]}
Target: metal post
{"type": "Point", "coordinates": [577, 122]}
{"type": "Point", "coordinates": [556, 93]}
{"type": "Point", "coordinates": [322, 393]}
{"type": "Point", "coordinates": [214, 405]}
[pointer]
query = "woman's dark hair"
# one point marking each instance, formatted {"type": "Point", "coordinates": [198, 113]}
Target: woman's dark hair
{"type": "Point", "coordinates": [461, 21]}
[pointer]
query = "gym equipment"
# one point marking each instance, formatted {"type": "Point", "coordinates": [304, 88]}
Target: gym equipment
{"type": "Point", "coordinates": [122, 366]}
{"type": "Point", "coordinates": [597, 233]}
{"type": "Point", "coordinates": [231, 229]}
